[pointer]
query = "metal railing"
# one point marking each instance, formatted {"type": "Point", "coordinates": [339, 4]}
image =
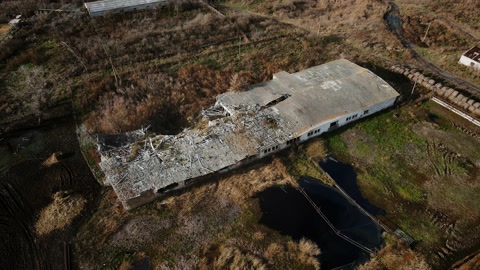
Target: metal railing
{"type": "Point", "coordinates": [335, 230]}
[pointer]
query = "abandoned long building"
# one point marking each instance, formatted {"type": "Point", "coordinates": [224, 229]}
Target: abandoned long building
{"type": "Point", "coordinates": [245, 126]}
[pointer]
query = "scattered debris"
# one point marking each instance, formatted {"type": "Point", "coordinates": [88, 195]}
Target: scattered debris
{"type": "Point", "coordinates": [243, 127]}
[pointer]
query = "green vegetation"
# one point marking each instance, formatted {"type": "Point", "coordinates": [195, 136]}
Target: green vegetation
{"type": "Point", "coordinates": [162, 66]}
{"type": "Point", "coordinates": [412, 169]}
{"type": "Point", "coordinates": [303, 161]}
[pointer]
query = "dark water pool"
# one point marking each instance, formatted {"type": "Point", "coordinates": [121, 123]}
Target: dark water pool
{"type": "Point", "coordinates": [285, 209]}
{"type": "Point", "coordinates": [346, 177]}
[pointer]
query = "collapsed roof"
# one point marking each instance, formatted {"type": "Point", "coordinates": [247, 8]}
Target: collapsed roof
{"type": "Point", "coordinates": [241, 125]}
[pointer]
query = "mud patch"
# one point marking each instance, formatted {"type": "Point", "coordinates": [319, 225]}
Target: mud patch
{"type": "Point", "coordinates": [455, 141]}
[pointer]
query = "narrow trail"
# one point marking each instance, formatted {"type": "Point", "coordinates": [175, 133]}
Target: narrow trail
{"type": "Point", "coordinates": [394, 22]}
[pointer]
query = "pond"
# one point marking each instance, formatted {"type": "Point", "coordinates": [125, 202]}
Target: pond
{"type": "Point", "coordinates": [286, 210]}
{"type": "Point", "coordinates": [346, 177]}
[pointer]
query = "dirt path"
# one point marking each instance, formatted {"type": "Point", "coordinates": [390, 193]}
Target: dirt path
{"type": "Point", "coordinates": [396, 28]}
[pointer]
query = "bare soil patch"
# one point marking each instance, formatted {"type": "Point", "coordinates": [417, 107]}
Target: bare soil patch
{"type": "Point", "coordinates": [27, 187]}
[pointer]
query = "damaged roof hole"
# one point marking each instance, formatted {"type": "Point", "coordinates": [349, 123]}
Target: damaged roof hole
{"type": "Point", "coordinates": [276, 101]}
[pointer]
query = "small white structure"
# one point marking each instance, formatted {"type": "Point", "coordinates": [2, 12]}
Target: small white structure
{"type": "Point", "coordinates": [100, 8]}
{"type": "Point", "coordinates": [246, 126]}
{"type": "Point", "coordinates": [15, 21]}
{"type": "Point", "coordinates": [471, 58]}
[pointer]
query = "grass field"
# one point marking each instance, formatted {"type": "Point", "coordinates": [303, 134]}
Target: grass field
{"type": "Point", "coordinates": [415, 170]}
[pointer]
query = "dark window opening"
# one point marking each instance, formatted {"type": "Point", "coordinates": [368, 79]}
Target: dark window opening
{"type": "Point", "coordinates": [365, 112]}
{"type": "Point", "coordinates": [167, 188]}
{"type": "Point", "coordinates": [334, 124]}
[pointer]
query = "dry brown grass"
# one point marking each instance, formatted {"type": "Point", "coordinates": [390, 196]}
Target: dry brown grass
{"type": "Point", "coordinates": [234, 258]}
{"type": "Point", "coordinates": [60, 213]}
{"type": "Point", "coordinates": [308, 251]}
{"type": "Point", "coordinates": [395, 255]}
{"type": "Point", "coordinates": [316, 150]}
{"type": "Point", "coordinates": [241, 186]}
{"type": "Point", "coordinates": [472, 262]}
{"type": "Point", "coordinates": [213, 225]}
{"type": "Point", "coordinates": [358, 22]}
{"type": "Point", "coordinates": [53, 159]}
{"type": "Point", "coordinates": [4, 28]}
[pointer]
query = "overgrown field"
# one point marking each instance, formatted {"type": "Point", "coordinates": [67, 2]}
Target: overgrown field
{"type": "Point", "coordinates": [441, 31]}
{"type": "Point", "coordinates": [423, 169]}
{"type": "Point", "coordinates": [157, 67]}
{"type": "Point", "coordinates": [160, 67]}
{"type": "Point", "coordinates": [211, 226]}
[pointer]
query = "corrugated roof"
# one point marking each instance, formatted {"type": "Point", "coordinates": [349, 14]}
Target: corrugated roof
{"type": "Point", "coordinates": [106, 5]}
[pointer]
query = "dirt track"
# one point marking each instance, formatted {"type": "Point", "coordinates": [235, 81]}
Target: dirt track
{"type": "Point", "coordinates": [27, 187]}
{"type": "Point", "coordinates": [424, 64]}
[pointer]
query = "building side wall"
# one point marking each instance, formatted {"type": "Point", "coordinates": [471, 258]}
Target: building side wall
{"type": "Point", "coordinates": [469, 62]}
{"type": "Point", "coordinates": [345, 119]}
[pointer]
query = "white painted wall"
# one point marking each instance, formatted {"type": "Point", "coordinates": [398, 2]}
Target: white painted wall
{"type": "Point", "coordinates": [469, 62]}
{"type": "Point", "coordinates": [324, 127]}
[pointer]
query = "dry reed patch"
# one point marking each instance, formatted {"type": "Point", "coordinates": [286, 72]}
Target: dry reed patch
{"type": "Point", "coordinates": [213, 224]}
{"type": "Point", "coordinates": [308, 251]}
{"type": "Point", "coordinates": [471, 262]}
{"type": "Point", "coordinates": [316, 150]}
{"type": "Point", "coordinates": [234, 258]}
{"type": "Point", "coordinates": [60, 213]}
{"type": "Point", "coordinates": [245, 185]}
{"type": "Point", "coordinates": [4, 28]}
{"type": "Point", "coordinates": [53, 159]}
{"type": "Point", "coordinates": [359, 22]}
{"type": "Point", "coordinates": [242, 254]}
{"type": "Point", "coordinates": [395, 255]}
